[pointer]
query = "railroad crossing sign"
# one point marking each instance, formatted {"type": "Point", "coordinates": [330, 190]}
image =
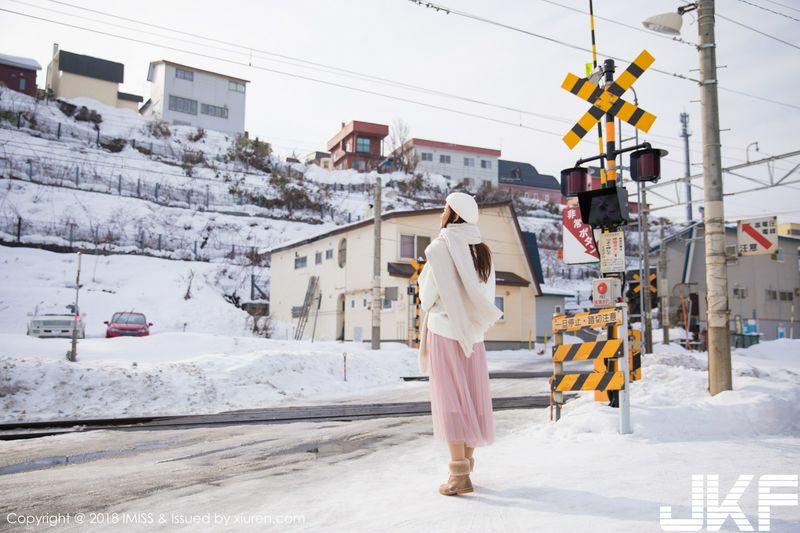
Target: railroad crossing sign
{"type": "Point", "coordinates": [653, 282]}
{"type": "Point", "coordinates": [757, 236]}
{"type": "Point", "coordinates": [609, 100]}
{"type": "Point", "coordinates": [417, 269]}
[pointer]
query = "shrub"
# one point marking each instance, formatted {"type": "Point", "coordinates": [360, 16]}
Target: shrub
{"type": "Point", "coordinates": [197, 136]}
{"type": "Point", "coordinates": [253, 153]}
{"type": "Point", "coordinates": [85, 114]}
{"type": "Point", "coordinates": [159, 129]}
{"type": "Point", "coordinates": [67, 108]}
{"type": "Point", "coordinates": [114, 145]}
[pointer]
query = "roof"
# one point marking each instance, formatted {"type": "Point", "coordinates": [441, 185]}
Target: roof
{"type": "Point", "coordinates": [527, 176]}
{"type": "Point", "coordinates": [397, 214]}
{"type": "Point", "coordinates": [129, 97]}
{"type": "Point", "coordinates": [357, 126]}
{"type": "Point", "coordinates": [452, 146]}
{"type": "Point", "coordinates": [91, 67]}
{"type": "Point", "coordinates": [533, 251]}
{"type": "Point", "coordinates": [187, 67]}
{"type": "Point", "coordinates": [550, 291]}
{"type": "Point", "coordinates": [21, 62]}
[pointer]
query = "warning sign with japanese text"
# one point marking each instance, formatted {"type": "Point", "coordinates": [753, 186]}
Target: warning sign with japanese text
{"type": "Point", "coordinates": [612, 252]}
{"type": "Point", "coordinates": [579, 244]}
{"type": "Point", "coordinates": [757, 236]}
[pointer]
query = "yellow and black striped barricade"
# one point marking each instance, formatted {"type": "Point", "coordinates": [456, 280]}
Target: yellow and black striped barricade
{"type": "Point", "coordinates": [606, 353]}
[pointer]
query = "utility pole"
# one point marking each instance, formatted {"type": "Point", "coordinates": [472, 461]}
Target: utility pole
{"type": "Point", "coordinates": [663, 285]}
{"type": "Point", "coordinates": [719, 347]}
{"type": "Point", "coordinates": [376, 270]}
{"type": "Point", "coordinates": [72, 355]}
{"type": "Point", "coordinates": [688, 170]}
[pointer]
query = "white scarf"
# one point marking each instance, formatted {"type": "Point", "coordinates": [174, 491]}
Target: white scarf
{"type": "Point", "coordinates": [458, 285]}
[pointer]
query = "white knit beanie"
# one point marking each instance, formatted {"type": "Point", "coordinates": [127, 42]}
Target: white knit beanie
{"type": "Point", "coordinates": [464, 205]}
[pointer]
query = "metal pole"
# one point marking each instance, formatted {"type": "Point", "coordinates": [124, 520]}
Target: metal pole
{"type": "Point", "coordinates": [688, 169]}
{"type": "Point", "coordinates": [663, 285]}
{"type": "Point", "coordinates": [72, 355]}
{"type": "Point", "coordinates": [624, 394]}
{"type": "Point", "coordinates": [719, 348]}
{"type": "Point", "coordinates": [611, 164]}
{"type": "Point", "coordinates": [376, 269]}
{"type": "Point", "coordinates": [644, 284]}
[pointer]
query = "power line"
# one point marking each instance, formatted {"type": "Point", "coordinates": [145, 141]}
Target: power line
{"type": "Point", "coordinates": [448, 10]}
{"type": "Point", "coordinates": [290, 74]}
{"type": "Point", "coordinates": [783, 5]}
{"type": "Point", "coordinates": [770, 10]}
{"type": "Point", "coordinates": [292, 61]}
{"type": "Point", "coordinates": [723, 17]}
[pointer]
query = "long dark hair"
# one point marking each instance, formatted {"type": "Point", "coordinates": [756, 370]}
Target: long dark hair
{"type": "Point", "coordinates": [481, 256]}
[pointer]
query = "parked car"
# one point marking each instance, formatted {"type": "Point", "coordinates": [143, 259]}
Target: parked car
{"type": "Point", "coordinates": [53, 324]}
{"type": "Point", "coordinates": [127, 324]}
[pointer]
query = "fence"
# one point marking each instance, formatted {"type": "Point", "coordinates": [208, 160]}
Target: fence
{"type": "Point", "coordinates": [125, 240]}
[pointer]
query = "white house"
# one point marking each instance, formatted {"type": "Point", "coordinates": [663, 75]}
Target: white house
{"type": "Point", "coordinates": [470, 165]}
{"type": "Point", "coordinates": [188, 96]}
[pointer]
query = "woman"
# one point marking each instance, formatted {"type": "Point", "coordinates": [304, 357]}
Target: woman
{"type": "Point", "coordinates": [457, 289]}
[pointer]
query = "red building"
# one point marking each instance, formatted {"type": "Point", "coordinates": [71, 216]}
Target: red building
{"type": "Point", "coordinates": [358, 145]}
{"type": "Point", "coordinates": [19, 73]}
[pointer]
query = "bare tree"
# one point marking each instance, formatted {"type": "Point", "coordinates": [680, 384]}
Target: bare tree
{"type": "Point", "coordinates": [403, 154]}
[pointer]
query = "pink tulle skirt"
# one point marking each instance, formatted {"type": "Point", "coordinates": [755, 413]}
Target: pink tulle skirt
{"type": "Point", "coordinates": [461, 401]}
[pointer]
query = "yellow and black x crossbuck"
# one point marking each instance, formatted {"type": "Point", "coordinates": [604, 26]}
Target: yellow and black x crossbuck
{"type": "Point", "coordinates": [609, 100]}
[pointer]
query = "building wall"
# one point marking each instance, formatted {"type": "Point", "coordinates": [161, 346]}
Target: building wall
{"type": "Point", "coordinates": [758, 274]}
{"type": "Point", "coordinates": [353, 282]}
{"type": "Point", "coordinates": [456, 169]}
{"type": "Point", "coordinates": [204, 88]}
{"type": "Point", "coordinates": [10, 77]}
{"type": "Point", "coordinates": [71, 85]}
{"type": "Point", "coordinates": [128, 104]}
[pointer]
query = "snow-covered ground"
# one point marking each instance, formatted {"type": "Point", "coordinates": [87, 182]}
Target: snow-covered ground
{"type": "Point", "coordinates": [578, 474]}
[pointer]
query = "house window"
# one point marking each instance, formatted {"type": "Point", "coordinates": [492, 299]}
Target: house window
{"type": "Point", "coordinates": [182, 105]}
{"type": "Point", "coordinates": [23, 83]}
{"type": "Point", "coordinates": [300, 262]}
{"type": "Point", "coordinates": [362, 144]}
{"type": "Point", "coordinates": [499, 303]}
{"type": "Point", "coordinates": [772, 295]}
{"type": "Point", "coordinates": [486, 183]}
{"type": "Point", "coordinates": [342, 253]}
{"type": "Point", "coordinates": [360, 165]}
{"type": "Point", "coordinates": [407, 246]}
{"type": "Point", "coordinates": [235, 86]}
{"type": "Point", "coordinates": [486, 164]}
{"type": "Point", "coordinates": [214, 111]}
{"type": "Point", "coordinates": [516, 173]}
{"type": "Point", "coordinates": [329, 253]}
{"type": "Point", "coordinates": [786, 296]}
{"type": "Point", "coordinates": [184, 74]}
{"type": "Point", "coordinates": [426, 156]}
{"type": "Point", "coordinates": [365, 303]}
{"type": "Point", "coordinates": [386, 304]}
{"type": "Point", "coordinates": [352, 304]}
{"type": "Point", "coordinates": [740, 293]}
{"type": "Point", "coordinates": [318, 258]}
{"type": "Point", "coordinates": [467, 182]}
{"type": "Point", "coordinates": [469, 162]}
{"type": "Point", "coordinates": [413, 246]}
{"type": "Point", "coordinates": [444, 159]}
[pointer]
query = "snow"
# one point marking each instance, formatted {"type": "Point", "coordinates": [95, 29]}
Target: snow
{"type": "Point", "coordinates": [578, 474]}
{"type": "Point", "coordinates": [17, 61]}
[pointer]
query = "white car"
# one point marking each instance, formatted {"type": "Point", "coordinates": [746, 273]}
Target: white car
{"type": "Point", "coordinates": [57, 324]}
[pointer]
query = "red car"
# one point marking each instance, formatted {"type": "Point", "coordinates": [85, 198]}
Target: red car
{"type": "Point", "coordinates": [127, 324]}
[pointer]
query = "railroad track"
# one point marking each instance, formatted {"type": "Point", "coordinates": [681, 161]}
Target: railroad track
{"type": "Point", "coordinates": [271, 415]}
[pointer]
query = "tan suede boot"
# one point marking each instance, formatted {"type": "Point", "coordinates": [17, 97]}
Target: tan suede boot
{"type": "Point", "coordinates": [459, 482]}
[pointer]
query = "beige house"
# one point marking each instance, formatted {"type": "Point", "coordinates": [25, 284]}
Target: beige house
{"type": "Point", "coordinates": [335, 268]}
{"type": "Point", "coordinates": [73, 75]}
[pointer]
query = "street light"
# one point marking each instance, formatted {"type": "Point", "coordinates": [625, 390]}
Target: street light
{"type": "Point", "coordinates": [719, 347]}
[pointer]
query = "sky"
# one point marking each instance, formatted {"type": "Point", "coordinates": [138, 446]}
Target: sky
{"type": "Point", "coordinates": [282, 46]}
